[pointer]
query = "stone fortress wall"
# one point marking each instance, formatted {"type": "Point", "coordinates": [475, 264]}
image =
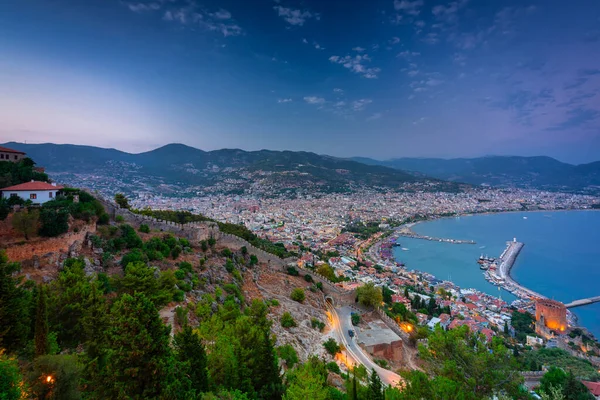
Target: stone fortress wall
{"type": "Point", "coordinates": [58, 244]}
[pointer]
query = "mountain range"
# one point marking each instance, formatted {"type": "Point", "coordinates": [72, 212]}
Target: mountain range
{"type": "Point", "coordinates": [503, 171]}
{"type": "Point", "coordinates": [184, 165]}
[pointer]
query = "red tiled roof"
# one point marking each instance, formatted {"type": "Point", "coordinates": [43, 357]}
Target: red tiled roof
{"type": "Point", "coordinates": [7, 150]}
{"type": "Point", "coordinates": [30, 186]}
{"type": "Point", "coordinates": [594, 387]}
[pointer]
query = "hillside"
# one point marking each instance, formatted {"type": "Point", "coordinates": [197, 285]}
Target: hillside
{"type": "Point", "coordinates": [531, 172]}
{"type": "Point", "coordinates": [226, 170]}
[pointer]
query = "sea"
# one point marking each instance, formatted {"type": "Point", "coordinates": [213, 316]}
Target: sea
{"type": "Point", "coordinates": [560, 259]}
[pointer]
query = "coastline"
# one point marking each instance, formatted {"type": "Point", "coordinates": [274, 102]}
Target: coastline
{"type": "Point", "coordinates": [508, 270]}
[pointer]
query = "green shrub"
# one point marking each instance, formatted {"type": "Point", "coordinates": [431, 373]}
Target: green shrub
{"type": "Point", "coordinates": [186, 287]}
{"type": "Point", "coordinates": [119, 219]}
{"type": "Point", "coordinates": [333, 367]}
{"type": "Point", "coordinates": [144, 228]}
{"type": "Point", "coordinates": [332, 347]}
{"type": "Point", "coordinates": [288, 354]}
{"type": "Point", "coordinates": [179, 295]}
{"type": "Point", "coordinates": [237, 275]}
{"type": "Point", "coordinates": [292, 271]}
{"type": "Point", "coordinates": [298, 295]}
{"type": "Point", "coordinates": [103, 219]}
{"type": "Point", "coordinates": [229, 266]}
{"type": "Point", "coordinates": [287, 321]}
{"type": "Point", "coordinates": [226, 253]}
{"type": "Point", "coordinates": [176, 251]}
{"type": "Point", "coordinates": [274, 302]}
{"type": "Point", "coordinates": [355, 319]}
{"type": "Point", "coordinates": [317, 324]}
{"type": "Point", "coordinates": [185, 266]}
{"type": "Point", "coordinates": [180, 274]}
{"type": "Point", "coordinates": [308, 278]}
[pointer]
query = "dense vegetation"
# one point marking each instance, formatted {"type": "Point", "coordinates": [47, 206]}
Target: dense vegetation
{"type": "Point", "coordinates": [14, 173]}
{"type": "Point", "coordinates": [52, 218]}
{"type": "Point", "coordinates": [183, 217]}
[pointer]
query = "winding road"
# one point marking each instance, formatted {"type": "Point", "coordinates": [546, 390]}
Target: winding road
{"type": "Point", "coordinates": [342, 323]}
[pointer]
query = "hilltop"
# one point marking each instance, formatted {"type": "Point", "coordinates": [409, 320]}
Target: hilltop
{"type": "Point", "coordinates": [503, 171]}
{"type": "Point", "coordinates": [226, 170]}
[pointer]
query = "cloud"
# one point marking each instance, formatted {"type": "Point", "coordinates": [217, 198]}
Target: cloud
{"type": "Point", "coordinates": [448, 13]}
{"type": "Point", "coordinates": [304, 41]}
{"type": "Point", "coordinates": [221, 14]}
{"type": "Point", "coordinates": [314, 100]}
{"type": "Point", "coordinates": [408, 7]}
{"type": "Point", "coordinates": [141, 7]}
{"type": "Point", "coordinates": [295, 17]}
{"type": "Point", "coordinates": [407, 55]}
{"type": "Point", "coordinates": [359, 105]}
{"type": "Point", "coordinates": [394, 40]}
{"type": "Point", "coordinates": [288, 100]}
{"type": "Point", "coordinates": [338, 90]}
{"type": "Point", "coordinates": [356, 64]}
{"type": "Point", "coordinates": [431, 38]}
{"type": "Point", "coordinates": [576, 118]}
{"type": "Point", "coordinates": [218, 21]}
{"type": "Point", "coordinates": [318, 46]}
{"type": "Point", "coordinates": [375, 116]}
{"type": "Point", "coordinates": [358, 49]}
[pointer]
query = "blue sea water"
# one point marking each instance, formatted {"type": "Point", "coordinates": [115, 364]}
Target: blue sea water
{"type": "Point", "coordinates": [560, 259]}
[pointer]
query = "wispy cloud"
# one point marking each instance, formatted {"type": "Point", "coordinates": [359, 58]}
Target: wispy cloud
{"type": "Point", "coordinates": [314, 100]}
{"type": "Point", "coordinates": [359, 105]}
{"type": "Point", "coordinates": [295, 17]}
{"type": "Point", "coordinates": [141, 7]}
{"type": "Point", "coordinates": [287, 100]}
{"type": "Point", "coordinates": [356, 64]}
{"type": "Point", "coordinates": [358, 49]}
{"type": "Point", "coordinates": [408, 7]}
{"type": "Point", "coordinates": [220, 20]}
{"type": "Point", "coordinates": [374, 116]}
{"type": "Point", "coordinates": [577, 117]}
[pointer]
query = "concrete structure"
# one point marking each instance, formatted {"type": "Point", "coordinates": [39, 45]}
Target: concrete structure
{"type": "Point", "coordinates": [381, 341]}
{"type": "Point", "coordinates": [550, 316]}
{"type": "Point", "coordinates": [11, 155]}
{"type": "Point", "coordinates": [37, 192]}
{"type": "Point", "coordinates": [534, 341]}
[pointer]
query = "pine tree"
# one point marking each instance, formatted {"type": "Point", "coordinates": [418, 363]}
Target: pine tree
{"type": "Point", "coordinates": [267, 381]}
{"type": "Point", "coordinates": [354, 387]}
{"type": "Point", "coordinates": [506, 331]}
{"type": "Point", "coordinates": [375, 389]}
{"type": "Point", "coordinates": [15, 303]}
{"type": "Point", "coordinates": [191, 353]}
{"type": "Point", "coordinates": [42, 345]}
{"type": "Point", "coordinates": [139, 361]}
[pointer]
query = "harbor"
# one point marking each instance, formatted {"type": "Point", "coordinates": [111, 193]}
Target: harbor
{"type": "Point", "coordinates": [497, 271]}
{"type": "Point", "coordinates": [406, 231]}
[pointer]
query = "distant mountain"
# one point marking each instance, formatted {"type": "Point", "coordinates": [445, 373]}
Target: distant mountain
{"type": "Point", "coordinates": [527, 172]}
{"type": "Point", "coordinates": [222, 169]}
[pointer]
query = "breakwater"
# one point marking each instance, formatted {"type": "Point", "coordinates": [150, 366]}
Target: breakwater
{"type": "Point", "coordinates": [500, 274]}
{"type": "Point", "coordinates": [406, 231]}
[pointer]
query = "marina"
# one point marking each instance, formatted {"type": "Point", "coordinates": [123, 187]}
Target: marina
{"type": "Point", "coordinates": [407, 232]}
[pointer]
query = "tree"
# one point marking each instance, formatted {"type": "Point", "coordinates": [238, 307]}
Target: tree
{"type": "Point", "coordinates": [355, 319]}
{"type": "Point", "coordinates": [54, 222]}
{"type": "Point", "coordinates": [332, 347]}
{"type": "Point", "coordinates": [306, 383]}
{"type": "Point", "coordinates": [4, 209]}
{"type": "Point", "coordinates": [137, 361]}
{"type": "Point", "coordinates": [287, 321]}
{"type": "Point", "coordinates": [15, 305]}
{"type": "Point", "coordinates": [42, 345]}
{"type": "Point", "coordinates": [26, 222]}
{"type": "Point", "coordinates": [369, 295]}
{"type": "Point", "coordinates": [327, 271]}
{"type": "Point", "coordinates": [10, 379]}
{"type": "Point", "coordinates": [288, 354]}
{"type": "Point", "coordinates": [56, 377]}
{"type": "Point", "coordinates": [387, 294]}
{"type": "Point", "coordinates": [465, 365]}
{"type": "Point", "coordinates": [375, 388]}
{"type": "Point", "coordinates": [121, 200]}
{"type": "Point", "coordinates": [298, 295]}
{"type": "Point", "coordinates": [191, 354]}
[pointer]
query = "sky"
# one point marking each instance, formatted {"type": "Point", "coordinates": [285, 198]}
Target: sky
{"type": "Point", "coordinates": [378, 78]}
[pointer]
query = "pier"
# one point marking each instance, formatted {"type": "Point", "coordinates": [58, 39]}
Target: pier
{"type": "Point", "coordinates": [407, 232]}
{"type": "Point", "coordinates": [583, 302]}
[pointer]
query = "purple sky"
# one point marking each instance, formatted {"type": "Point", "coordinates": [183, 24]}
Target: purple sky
{"type": "Point", "coordinates": [381, 79]}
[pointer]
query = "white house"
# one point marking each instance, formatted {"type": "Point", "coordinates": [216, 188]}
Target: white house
{"type": "Point", "coordinates": [37, 192]}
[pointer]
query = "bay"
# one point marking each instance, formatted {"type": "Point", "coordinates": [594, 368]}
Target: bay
{"type": "Point", "coordinates": [560, 259]}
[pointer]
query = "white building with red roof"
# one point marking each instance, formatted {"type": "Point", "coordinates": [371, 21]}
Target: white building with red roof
{"type": "Point", "coordinates": [36, 191]}
{"type": "Point", "coordinates": [11, 155]}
